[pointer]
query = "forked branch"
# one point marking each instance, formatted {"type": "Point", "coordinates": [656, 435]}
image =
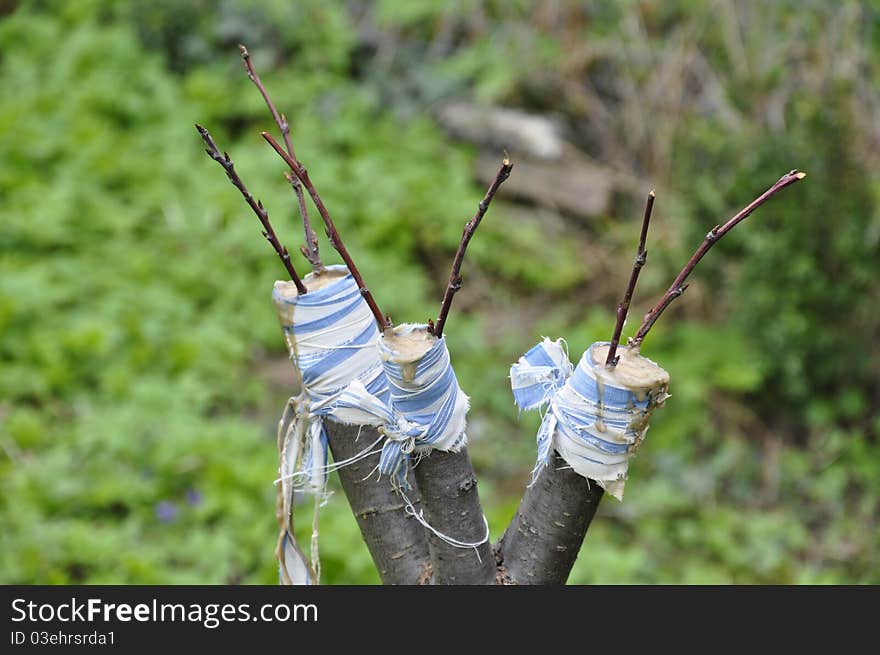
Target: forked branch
{"type": "Point", "coordinates": [310, 250]}
{"type": "Point", "coordinates": [255, 205]}
{"type": "Point", "coordinates": [303, 175]}
{"type": "Point", "coordinates": [678, 286]}
{"type": "Point", "coordinates": [470, 227]}
{"type": "Point", "coordinates": [623, 307]}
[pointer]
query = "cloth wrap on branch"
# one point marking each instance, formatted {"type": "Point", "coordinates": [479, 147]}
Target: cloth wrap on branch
{"type": "Point", "coordinates": [331, 336]}
{"type": "Point", "coordinates": [428, 409]}
{"type": "Point", "coordinates": [596, 417]}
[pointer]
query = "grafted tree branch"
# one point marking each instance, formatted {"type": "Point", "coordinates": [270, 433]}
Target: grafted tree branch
{"type": "Point", "coordinates": [310, 250]}
{"type": "Point", "coordinates": [452, 507]}
{"type": "Point", "coordinates": [542, 542]}
{"type": "Point", "coordinates": [255, 205]}
{"type": "Point", "coordinates": [302, 174]}
{"type": "Point", "coordinates": [396, 541]}
{"type": "Point", "coordinates": [447, 479]}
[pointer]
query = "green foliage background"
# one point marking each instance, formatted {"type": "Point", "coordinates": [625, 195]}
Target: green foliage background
{"type": "Point", "coordinates": [137, 417]}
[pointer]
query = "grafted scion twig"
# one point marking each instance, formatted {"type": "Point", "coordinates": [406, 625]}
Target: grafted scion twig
{"type": "Point", "coordinates": [303, 175]}
{"type": "Point", "coordinates": [470, 227]}
{"type": "Point", "coordinates": [256, 205]}
{"type": "Point", "coordinates": [678, 286]}
{"type": "Point", "coordinates": [310, 250]}
{"type": "Point", "coordinates": [623, 307]}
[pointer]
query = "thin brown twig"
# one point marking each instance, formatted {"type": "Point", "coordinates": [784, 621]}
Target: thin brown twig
{"type": "Point", "coordinates": [300, 171]}
{"type": "Point", "coordinates": [470, 227]}
{"type": "Point", "coordinates": [623, 307]}
{"type": "Point", "coordinates": [310, 250]}
{"type": "Point", "coordinates": [678, 287]}
{"type": "Point", "coordinates": [256, 205]}
{"type": "Point", "coordinates": [665, 301]}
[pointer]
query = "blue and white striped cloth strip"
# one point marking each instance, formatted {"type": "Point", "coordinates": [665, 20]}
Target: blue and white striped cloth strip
{"type": "Point", "coordinates": [428, 409]}
{"type": "Point", "coordinates": [594, 425]}
{"type": "Point", "coordinates": [294, 568]}
{"type": "Point", "coordinates": [331, 336]}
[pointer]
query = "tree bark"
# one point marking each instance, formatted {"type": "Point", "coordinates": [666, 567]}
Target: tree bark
{"type": "Point", "coordinates": [452, 506]}
{"type": "Point", "coordinates": [396, 541]}
{"type": "Point", "coordinates": [542, 541]}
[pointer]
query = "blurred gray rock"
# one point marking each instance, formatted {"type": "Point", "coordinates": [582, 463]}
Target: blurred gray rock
{"type": "Point", "coordinates": [529, 135]}
{"type": "Point", "coordinates": [549, 171]}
